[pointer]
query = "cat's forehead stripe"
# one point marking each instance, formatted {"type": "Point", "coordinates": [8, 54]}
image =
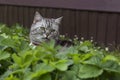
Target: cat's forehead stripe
{"type": "Point", "coordinates": [48, 22]}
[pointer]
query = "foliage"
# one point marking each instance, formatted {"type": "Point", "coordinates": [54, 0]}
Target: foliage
{"type": "Point", "coordinates": [48, 61]}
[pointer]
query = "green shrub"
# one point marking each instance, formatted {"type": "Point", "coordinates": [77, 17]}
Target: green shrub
{"type": "Point", "coordinates": [81, 61]}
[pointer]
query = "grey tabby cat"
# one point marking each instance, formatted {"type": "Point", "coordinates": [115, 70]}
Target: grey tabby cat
{"type": "Point", "coordinates": [44, 29]}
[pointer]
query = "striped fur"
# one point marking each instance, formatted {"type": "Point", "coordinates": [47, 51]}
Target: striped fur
{"type": "Point", "coordinates": [44, 29]}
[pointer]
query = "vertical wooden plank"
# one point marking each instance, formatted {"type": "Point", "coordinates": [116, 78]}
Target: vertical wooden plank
{"type": "Point", "coordinates": [68, 23]}
{"type": "Point", "coordinates": [15, 15]}
{"type": "Point", "coordinates": [26, 17]}
{"type": "Point", "coordinates": [118, 32]}
{"type": "Point", "coordinates": [1, 13]}
{"type": "Point", "coordinates": [10, 15]}
{"type": "Point", "coordinates": [20, 15]}
{"type": "Point", "coordinates": [5, 17]}
{"type": "Point", "coordinates": [31, 16]}
{"type": "Point", "coordinates": [93, 16]}
{"type": "Point", "coordinates": [101, 27]}
{"type": "Point", "coordinates": [72, 25]}
{"type": "Point", "coordinates": [49, 13]}
{"type": "Point", "coordinates": [77, 23]}
{"type": "Point", "coordinates": [84, 24]}
{"type": "Point", "coordinates": [111, 28]}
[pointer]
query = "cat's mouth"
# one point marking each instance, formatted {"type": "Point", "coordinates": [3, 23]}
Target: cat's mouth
{"type": "Point", "coordinates": [46, 38]}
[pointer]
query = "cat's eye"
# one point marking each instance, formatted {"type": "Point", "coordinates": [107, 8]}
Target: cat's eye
{"type": "Point", "coordinates": [42, 28]}
{"type": "Point", "coordinates": [52, 30]}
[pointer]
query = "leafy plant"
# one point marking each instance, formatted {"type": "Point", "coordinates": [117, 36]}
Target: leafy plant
{"type": "Point", "coordinates": [48, 61]}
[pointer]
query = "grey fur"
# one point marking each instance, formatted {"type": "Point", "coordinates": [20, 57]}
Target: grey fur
{"type": "Point", "coordinates": [44, 29]}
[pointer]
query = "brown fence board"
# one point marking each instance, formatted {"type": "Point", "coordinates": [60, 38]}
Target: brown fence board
{"type": "Point", "coordinates": [92, 26]}
{"type": "Point", "coordinates": [104, 27]}
{"type": "Point", "coordinates": [26, 16]}
{"type": "Point", "coordinates": [118, 31]}
{"type": "Point", "coordinates": [31, 16]}
{"type": "Point", "coordinates": [1, 14]}
{"type": "Point", "coordinates": [71, 25]}
{"type": "Point", "coordinates": [66, 20]}
{"type": "Point", "coordinates": [77, 23]}
{"type": "Point", "coordinates": [84, 20]}
{"type": "Point", "coordinates": [111, 28]}
{"type": "Point", "coordinates": [20, 15]}
{"type": "Point", "coordinates": [15, 13]}
{"type": "Point", "coordinates": [10, 15]}
{"type": "Point", "coordinates": [5, 17]}
{"type": "Point", "coordinates": [101, 27]}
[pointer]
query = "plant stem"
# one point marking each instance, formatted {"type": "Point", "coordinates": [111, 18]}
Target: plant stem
{"type": "Point", "coordinates": [56, 77]}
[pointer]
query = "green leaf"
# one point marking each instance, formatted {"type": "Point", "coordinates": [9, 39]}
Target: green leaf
{"type": "Point", "coordinates": [86, 56]}
{"type": "Point", "coordinates": [17, 59]}
{"type": "Point", "coordinates": [41, 69]}
{"type": "Point", "coordinates": [110, 57]}
{"type": "Point", "coordinates": [87, 43]}
{"type": "Point", "coordinates": [4, 55]}
{"type": "Point", "coordinates": [84, 49]}
{"type": "Point", "coordinates": [6, 74]}
{"type": "Point", "coordinates": [11, 77]}
{"type": "Point", "coordinates": [89, 71]}
{"type": "Point", "coordinates": [76, 68]}
{"type": "Point", "coordinates": [62, 65]}
{"type": "Point", "coordinates": [27, 74]}
{"type": "Point", "coordinates": [69, 75]}
{"type": "Point", "coordinates": [8, 42]}
{"type": "Point", "coordinates": [45, 77]}
{"type": "Point", "coordinates": [111, 66]}
{"type": "Point", "coordinates": [76, 58]}
{"type": "Point", "coordinates": [94, 60]}
{"type": "Point", "coordinates": [27, 59]}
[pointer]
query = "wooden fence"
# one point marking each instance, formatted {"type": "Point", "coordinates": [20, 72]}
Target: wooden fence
{"type": "Point", "coordinates": [103, 26]}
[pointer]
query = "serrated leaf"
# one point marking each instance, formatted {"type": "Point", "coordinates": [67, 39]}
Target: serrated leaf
{"type": "Point", "coordinates": [93, 61]}
{"type": "Point", "coordinates": [110, 57]}
{"type": "Point", "coordinates": [62, 65]}
{"type": "Point", "coordinates": [11, 77]}
{"type": "Point", "coordinates": [111, 66]}
{"type": "Point", "coordinates": [4, 55]}
{"type": "Point", "coordinates": [87, 56]}
{"type": "Point", "coordinates": [84, 49]}
{"type": "Point", "coordinates": [8, 42]}
{"type": "Point", "coordinates": [28, 60]}
{"type": "Point", "coordinates": [75, 68]}
{"type": "Point", "coordinates": [6, 74]}
{"type": "Point", "coordinates": [45, 77]}
{"type": "Point", "coordinates": [76, 58]}
{"type": "Point", "coordinates": [89, 71]}
{"type": "Point", "coordinates": [17, 59]}
{"type": "Point", "coordinates": [41, 69]}
{"type": "Point", "coordinates": [69, 75]}
{"type": "Point", "coordinates": [87, 43]}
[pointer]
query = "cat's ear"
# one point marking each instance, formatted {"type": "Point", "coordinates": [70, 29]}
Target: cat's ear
{"type": "Point", "coordinates": [37, 17]}
{"type": "Point", "coordinates": [58, 20]}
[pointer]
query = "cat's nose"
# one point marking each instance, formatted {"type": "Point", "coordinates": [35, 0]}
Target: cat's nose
{"type": "Point", "coordinates": [47, 34]}
{"type": "Point", "coordinates": [44, 35]}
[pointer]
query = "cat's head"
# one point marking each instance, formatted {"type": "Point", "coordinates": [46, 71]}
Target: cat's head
{"type": "Point", "coordinates": [44, 29]}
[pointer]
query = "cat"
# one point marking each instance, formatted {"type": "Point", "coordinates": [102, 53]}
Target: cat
{"type": "Point", "coordinates": [44, 29]}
